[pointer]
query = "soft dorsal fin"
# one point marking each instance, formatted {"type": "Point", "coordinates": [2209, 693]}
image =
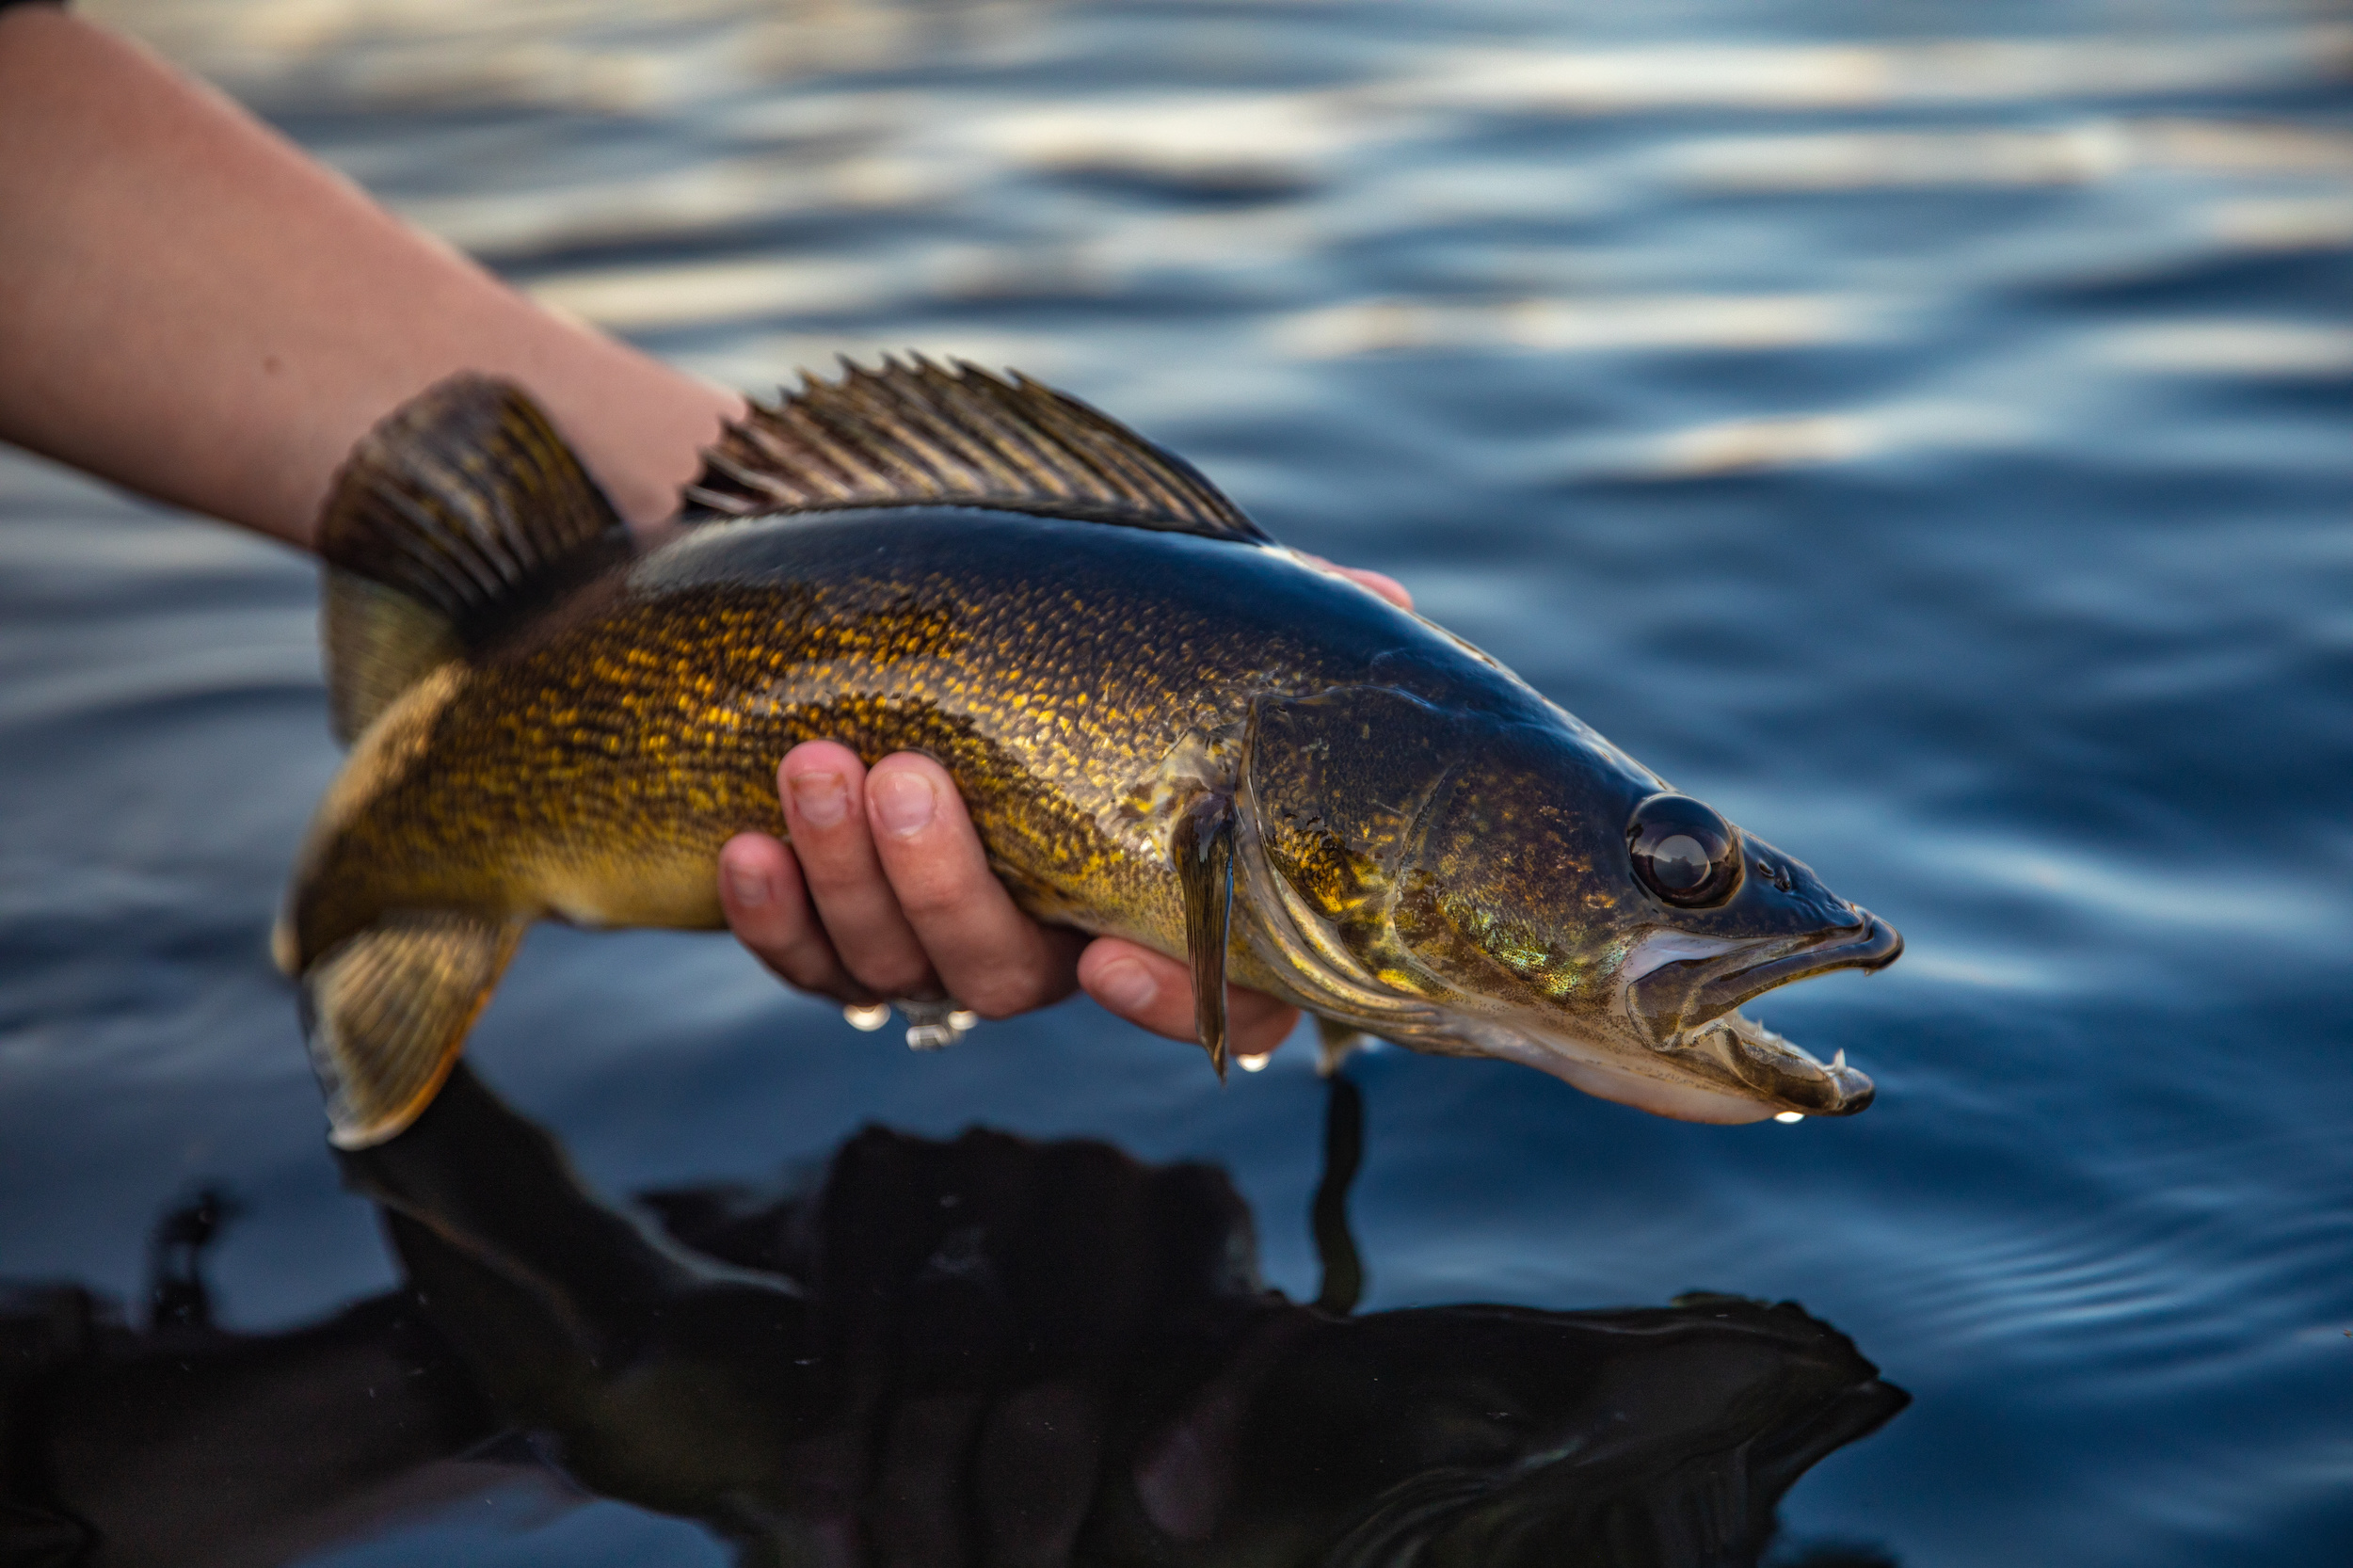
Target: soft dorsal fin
{"type": "Point", "coordinates": [459, 514]}
{"type": "Point", "coordinates": [918, 435]}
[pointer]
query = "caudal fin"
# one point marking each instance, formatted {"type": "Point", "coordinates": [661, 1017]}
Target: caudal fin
{"type": "Point", "coordinates": [386, 1012]}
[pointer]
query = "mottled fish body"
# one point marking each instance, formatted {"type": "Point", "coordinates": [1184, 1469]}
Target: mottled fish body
{"type": "Point", "coordinates": [1166, 727]}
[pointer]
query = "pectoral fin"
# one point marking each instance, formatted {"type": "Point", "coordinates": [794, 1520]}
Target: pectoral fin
{"type": "Point", "coordinates": [387, 1012]}
{"type": "Point", "coordinates": [1202, 844]}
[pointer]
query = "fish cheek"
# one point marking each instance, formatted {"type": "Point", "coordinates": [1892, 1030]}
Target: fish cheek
{"type": "Point", "coordinates": [1345, 888]}
{"type": "Point", "coordinates": [1505, 897]}
{"type": "Point", "coordinates": [1338, 783]}
{"type": "Point", "coordinates": [1483, 945]}
{"type": "Point", "coordinates": [1350, 895]}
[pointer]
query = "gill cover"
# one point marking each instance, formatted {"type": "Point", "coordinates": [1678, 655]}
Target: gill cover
{"type": "Point", "coordinates": [1451, 856]}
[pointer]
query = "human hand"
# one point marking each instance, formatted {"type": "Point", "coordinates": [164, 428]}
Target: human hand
{"type": "Point", "coordinates": [886, 892]}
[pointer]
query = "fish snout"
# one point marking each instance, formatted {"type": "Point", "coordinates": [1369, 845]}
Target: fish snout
{"type": "Point", "coordinates": [1680, 996]}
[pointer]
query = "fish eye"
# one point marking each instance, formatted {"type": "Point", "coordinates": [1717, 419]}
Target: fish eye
{"type": "Point", "coordinates": [1684, 852]}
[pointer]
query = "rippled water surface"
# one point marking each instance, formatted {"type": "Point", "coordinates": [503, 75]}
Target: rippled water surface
{"type": "Point", "coordinates": [1919, 430]}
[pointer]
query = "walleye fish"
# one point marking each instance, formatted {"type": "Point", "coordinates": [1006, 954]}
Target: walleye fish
{"type": "Point", "coordinates": [1167, 727]}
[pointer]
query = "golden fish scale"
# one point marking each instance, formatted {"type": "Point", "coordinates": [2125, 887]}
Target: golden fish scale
{"type": "Point", "coordinates": [593, 770]}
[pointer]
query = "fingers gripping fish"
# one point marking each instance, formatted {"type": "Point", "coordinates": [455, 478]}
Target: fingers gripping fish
{"type": "Point", "coordinates": [1167, 727]}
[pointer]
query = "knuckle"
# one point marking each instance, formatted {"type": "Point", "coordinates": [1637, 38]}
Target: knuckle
{"type": "Point", "coordinates": [893, 974]}
{"type": "Point", "coordinates": [1002, 995]}
{"type": "Point", "coordinates": [799, 965]}
{"type": "Point", "coordinates": [836, 864]}
{"type": "Point", "coordinates": [929, 898]}
{"type": "Point", "coordinates": [809, 969]}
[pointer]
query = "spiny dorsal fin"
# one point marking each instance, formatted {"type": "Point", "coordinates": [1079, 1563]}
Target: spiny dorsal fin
{"type": "Point", "coordinates": [460, 513]}
{"type": "Point", "coordinates": [918, 435]}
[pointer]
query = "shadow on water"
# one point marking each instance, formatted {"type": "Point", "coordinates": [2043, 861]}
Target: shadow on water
{"type": "Point", "coordinates": [987, 1350]}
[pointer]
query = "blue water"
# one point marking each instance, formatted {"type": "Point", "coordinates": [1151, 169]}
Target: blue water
{"type": "Point", "coordinates": [1920, 431]}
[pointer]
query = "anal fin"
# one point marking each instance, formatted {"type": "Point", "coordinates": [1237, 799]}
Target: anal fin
{"type": "Point", "coordinates": [1201, 845]}
{"type": "Point", "coordinates": [387, 1011]}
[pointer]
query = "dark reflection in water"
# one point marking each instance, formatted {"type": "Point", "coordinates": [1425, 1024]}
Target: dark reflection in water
{"type": "Point", "coordinates": [988, 1350]}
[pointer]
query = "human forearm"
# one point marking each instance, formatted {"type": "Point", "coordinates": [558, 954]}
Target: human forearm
{"type": "Point", "coordinates": [191, 308]}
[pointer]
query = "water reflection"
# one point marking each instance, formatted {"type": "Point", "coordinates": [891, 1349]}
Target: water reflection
{"type": "Point", "coordinates": [988, 1350]}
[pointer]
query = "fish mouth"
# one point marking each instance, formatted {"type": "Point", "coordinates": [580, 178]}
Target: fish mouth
{"type": "Point", "coordinates": [1688, 1010]}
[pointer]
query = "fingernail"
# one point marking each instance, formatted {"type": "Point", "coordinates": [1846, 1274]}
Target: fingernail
{"type": "Point", "coordinates": [749, 888]}
{"type": "Point", "coordinates": [902, 799]}
{"type": "Point", "coordinates": [819, 798]}
{"type": "Point", "coordinates": [1126, 986]}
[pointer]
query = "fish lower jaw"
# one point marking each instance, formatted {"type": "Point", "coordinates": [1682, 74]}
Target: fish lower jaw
{"type": "Point", "coordinates": [1608, 1074]}
{"type": "Point", "coordinates": [1678, 1101]}
{"type": "Point", "coordinates": [1796, 1082]}
{"type": "Point", "coordinates": [1729, 1070]}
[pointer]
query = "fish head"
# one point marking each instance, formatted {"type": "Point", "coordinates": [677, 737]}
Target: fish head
{"type": "Point", "coordinates": [1509, 884]}
{"type": "Point", "coordinates": [1511, 1435]}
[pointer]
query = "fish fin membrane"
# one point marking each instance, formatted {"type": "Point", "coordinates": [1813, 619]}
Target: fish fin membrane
{"type": "Point", "coordinates": [386, 1012]}
{"type": "Point", "coordinates": [379, 643]}
{"type": "Point", "coordinates": [1201, 845]}
{"type": "Point", "coordinates": [1335, 1044]}
{"type": "Point", "coordinates": [458, 517]}
{"type": "Point", "coordinates": [923, 435]}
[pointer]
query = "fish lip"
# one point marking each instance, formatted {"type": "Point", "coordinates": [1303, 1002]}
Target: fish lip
{"type": "Point", "coordinates": [1678, 996]}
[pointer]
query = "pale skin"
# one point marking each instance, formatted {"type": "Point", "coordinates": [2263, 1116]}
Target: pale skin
{"type": "Point", "coordinates": [211, 318]}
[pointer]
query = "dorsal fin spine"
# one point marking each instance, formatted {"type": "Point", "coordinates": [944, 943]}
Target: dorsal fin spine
{"type": "Point", "coordinates": [940, 433]}
{"type": "Point", "coordinates": [917, 434]}
{"type": "Point", "coordinates": [930, 391]}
